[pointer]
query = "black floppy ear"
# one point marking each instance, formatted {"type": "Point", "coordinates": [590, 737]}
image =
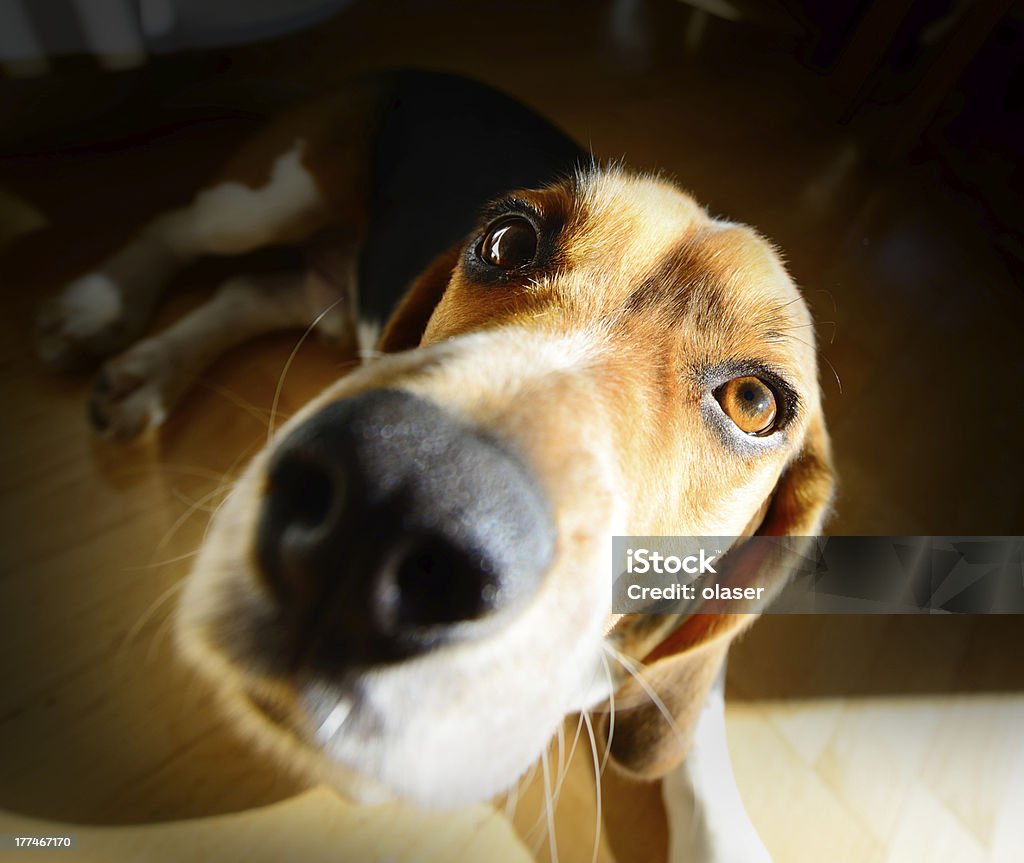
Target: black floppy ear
{"type": "Point", "coordinates": [405, 328]}
{"type": "Point", "coordinates": [682, 667]}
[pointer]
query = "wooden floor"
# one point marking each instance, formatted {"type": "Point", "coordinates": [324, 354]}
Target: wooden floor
{"type": "Point", "coordinates": [854, 739]}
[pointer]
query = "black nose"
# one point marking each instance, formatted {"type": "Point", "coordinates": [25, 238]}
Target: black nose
{"type": "Point", "coordinates": [389, 527]}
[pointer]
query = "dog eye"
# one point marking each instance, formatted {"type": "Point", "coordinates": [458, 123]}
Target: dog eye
{"type": "Point", "coordinates": [509, 243]}
{"type": "Point", "coordinates": [750, 403]}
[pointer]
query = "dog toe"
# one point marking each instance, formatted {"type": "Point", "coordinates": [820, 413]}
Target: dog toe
{"type": "Point", "coordinates": [129, 394]}
{"type": "Point", "coordinates": [54, 346]}
{"type": "Point", "coordinates": [84, 322]}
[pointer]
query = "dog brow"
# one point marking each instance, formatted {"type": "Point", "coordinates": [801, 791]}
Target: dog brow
{"type": "Point", "coordinates": [692, 284]}
{"type": "Point", "coordinates": [679, 284]}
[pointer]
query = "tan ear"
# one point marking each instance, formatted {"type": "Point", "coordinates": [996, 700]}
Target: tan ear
{"type": "Point", "coordinates": [404, 330]}
{"type": "Point", "coordinates": [681, 668]}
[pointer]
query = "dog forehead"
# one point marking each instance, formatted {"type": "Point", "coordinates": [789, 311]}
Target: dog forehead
{"type": "Point", "coordinates": [735, 253]}
{"type": "Point", "coordinates": [629, 219]}
{"type": "Point", "coordinates": [650, 247]}
{"type": "Point", "coordinates": [636, 225]}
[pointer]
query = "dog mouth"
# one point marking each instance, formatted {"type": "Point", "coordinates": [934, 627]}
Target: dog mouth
{"type": "Point", "coordinates": [285, 712]}
{"type": "Point", "coordinates": [309, 713]}
{"type": "Point", "coordinates": [275, 711]}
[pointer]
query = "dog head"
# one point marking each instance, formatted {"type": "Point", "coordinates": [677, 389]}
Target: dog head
{"type": "Point", "coordinates": [411, 586]}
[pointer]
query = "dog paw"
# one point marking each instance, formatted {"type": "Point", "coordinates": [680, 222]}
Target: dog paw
{"type": "Point", "coordinates": [82, 323]}
{"type": "Point", "coordinates": [132, 392]}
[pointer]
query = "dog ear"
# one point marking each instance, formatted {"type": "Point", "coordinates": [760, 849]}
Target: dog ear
{"type": "Point", "coordinates": [681, 668]}
{"type": "Point", "coordinates": [404, 330]}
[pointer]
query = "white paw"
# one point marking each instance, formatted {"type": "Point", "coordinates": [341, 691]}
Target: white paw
{"type": "Point", "coordinates": [84, 321]}
{"type": "Point", "coordinates": [132, 391]}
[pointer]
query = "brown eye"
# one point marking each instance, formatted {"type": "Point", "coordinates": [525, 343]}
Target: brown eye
{"type": "Point", "coordinates": [750, 403]}
{"type": "Point", "coordinates": [509, 243]}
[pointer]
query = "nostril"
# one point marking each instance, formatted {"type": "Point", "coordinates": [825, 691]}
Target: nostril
{"type": "Point", "coordinates": [295, 520]}
{"type": "Point", "coordinates": [437, 583]}
{"type": "Point", "coordinates": [302, 492]}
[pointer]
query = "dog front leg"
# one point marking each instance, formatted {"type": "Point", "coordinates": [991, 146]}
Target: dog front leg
{"type": "Point", "coordinates": [105, 310]}
{"type": "Point", "coordinates": [707, 821]}
{"type": "Point", "coordinates": [138, 388]}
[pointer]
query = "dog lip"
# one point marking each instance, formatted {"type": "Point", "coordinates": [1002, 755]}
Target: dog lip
{"type": "Point", "coordinates": [310, 713]}
{"type": "Point", "coordinates": [271, 709]}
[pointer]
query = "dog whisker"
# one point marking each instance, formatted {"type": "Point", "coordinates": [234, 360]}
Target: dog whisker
{"type": "Point", "coordinates": [191, 470]}
{"type": "Point", "coordinates": [611, 715]}
{"type": "Point", "coordinates": [261, 415]}
{"type": "Point", "coordinates": [288, 365]}
{"type": "Point", "coordinates": [536, 829]}
{"type": "Point", "coordinates": [560, 740]}
{"type": "Point", "coordinates": [564, 770]}
{"type": "Point", "coordinates": [637, 675]}
{"type": "Point", "coordinates": [598, 814]}
{"type": "Point", "coordinates": [830, 295]}
{"type": "Point", "coordinates": [165, 627]}
{"type": "Point", "coordinates": [512, 800]}
{"type": "Point", "coordinates": [156, 564]}
{"type": "Point", "coordinates": [564, 773]}
{"type": "Point", "coordinates": [147, 615]}
{"type": "Point", "coordinates": [531, 772]}
{"type": "Point", "coordinates": [199, 504]}
{"type": "Point", "coordinates": [828, 362]}
{"type": "Point", "coordinates": [225, 486]}
{"type": "Point", "coordinates": [193, 507]}
{"type": "Point", "coordinates": [814, 325]}
{"type": "Point", "coordinates": [549, 808]}
{"type": "Point", "coordinates": [222, 478]}
{"type": "Point", "coordinates": [216, 510]}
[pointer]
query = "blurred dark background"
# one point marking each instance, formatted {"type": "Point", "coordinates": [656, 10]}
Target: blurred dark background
{"type": "Point", "coordinates": [913, 81]}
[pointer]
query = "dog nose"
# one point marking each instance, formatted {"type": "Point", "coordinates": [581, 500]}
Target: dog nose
{"type": "Point", "coordinates": [389, 526]}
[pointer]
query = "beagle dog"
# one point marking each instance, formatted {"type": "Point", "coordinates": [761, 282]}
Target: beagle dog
{"type": "Point", "coordinates": [409, 588]}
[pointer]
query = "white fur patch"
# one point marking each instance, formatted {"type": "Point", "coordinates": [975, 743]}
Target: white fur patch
{"type": "Point", "coordinates": [707, 820]}
{"type": "Point", "coordinates": [90, 304]}
{"type": "Point", "coordinates": [232, 218]}
{"type": "Point", "coordinates": [367, 335]}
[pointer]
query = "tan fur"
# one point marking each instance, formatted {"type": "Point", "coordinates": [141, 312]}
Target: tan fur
{"type": "Point", "coordinates": [592, 371]}
{"type": "Point", "coordinates": [683, 666]}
